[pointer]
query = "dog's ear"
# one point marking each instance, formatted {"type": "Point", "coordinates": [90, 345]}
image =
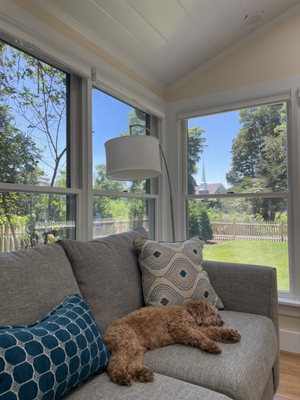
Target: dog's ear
{"type": "Point", "coordinates": [197, 310]}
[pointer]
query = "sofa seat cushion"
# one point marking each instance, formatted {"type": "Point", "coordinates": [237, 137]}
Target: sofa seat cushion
{"type": "Point", "coordinates": [241, 371]}
{"type": "Point", "coordinates": [163, 388]}
{"type": "Point", "coordinates": [35, 281]}
{"type": "Point", "coordinates": [108, 275]}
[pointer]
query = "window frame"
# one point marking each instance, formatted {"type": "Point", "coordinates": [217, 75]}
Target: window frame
{"type": "Point", "coordinates": [291, 297]}
{"type": "Point", "coordinates": [72, 135]}
{"type": "Point", "coordinates": [152, 122]}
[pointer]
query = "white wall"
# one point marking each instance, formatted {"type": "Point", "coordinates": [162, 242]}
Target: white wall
{"type": "Point", "coordinates": [271, 56]}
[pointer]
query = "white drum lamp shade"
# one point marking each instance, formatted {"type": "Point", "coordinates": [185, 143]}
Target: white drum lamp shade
{"type": "Point", "coordinates": [130, 158]}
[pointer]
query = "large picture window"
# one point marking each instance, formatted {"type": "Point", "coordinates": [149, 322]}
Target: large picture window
{"type": "Point", "coordinates": [237, 185]}
{"type": "Point", "coordinates": [118, 206]}
{"type": "Point", "coordinates": [36, 203]}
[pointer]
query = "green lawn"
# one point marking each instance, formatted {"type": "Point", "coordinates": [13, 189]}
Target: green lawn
{"type": "Point", "coordinates": [274, 254]}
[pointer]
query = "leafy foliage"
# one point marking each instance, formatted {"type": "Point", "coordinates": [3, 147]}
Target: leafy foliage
{"type": "Point", "coordinates": [19, 155]}
{"type": "Point", "coordinates": [259, 158]}
{"type": "Point", "coordinates": [32, 146]}
{"type": "Point", "coordinates": [195, 147]}
{"type": "Point", "coordinates": [260, 147]}
{"type": "Point", "coordinates": [199, 222]}
{"type": "Point", "coordinates": [35, 93]}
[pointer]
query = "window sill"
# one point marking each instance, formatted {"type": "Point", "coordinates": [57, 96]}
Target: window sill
{"type": "Point", "coordinates": [289, 307]}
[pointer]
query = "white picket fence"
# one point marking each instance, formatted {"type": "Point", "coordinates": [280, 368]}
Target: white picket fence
{"type": "Point", "coordinates": [103, 227]}
{"type": "Point", "coordinates": [21, 237]}
{"type": "Point", "coordinates": [232, 230]}
{"type": "Point", "coordinates": [107, 226]}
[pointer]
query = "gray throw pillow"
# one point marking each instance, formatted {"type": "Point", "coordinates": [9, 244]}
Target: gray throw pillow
{"type": "Point", "coordinates": [172, 273]}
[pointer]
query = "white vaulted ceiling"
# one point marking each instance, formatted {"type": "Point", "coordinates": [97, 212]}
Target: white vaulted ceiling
{"type": "Point", "coordinates": [165, 40]}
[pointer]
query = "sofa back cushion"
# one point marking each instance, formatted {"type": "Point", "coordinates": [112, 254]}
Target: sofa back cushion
{"type": "Point", "coordinates": [32, 282]}
{"type": "Point", "coordinates": [108, 275]}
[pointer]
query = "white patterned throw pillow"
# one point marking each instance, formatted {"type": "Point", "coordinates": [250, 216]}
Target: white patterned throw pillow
{"type": "Point", "coordinates": [172, 273]}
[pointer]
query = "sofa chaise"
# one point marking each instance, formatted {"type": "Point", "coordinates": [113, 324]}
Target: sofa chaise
{"type": "Point", "coordinates": [106, 274]}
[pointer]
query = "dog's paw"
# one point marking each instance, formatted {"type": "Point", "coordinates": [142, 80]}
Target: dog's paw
{"type": "Point", "coordinates": [213, 348]}
{"type": "Point", "coordinates": [123, 380]}
{"type": "Point", "coordinates": [234, 336]}
{"type": "Point", "coordinates": [143, 375]}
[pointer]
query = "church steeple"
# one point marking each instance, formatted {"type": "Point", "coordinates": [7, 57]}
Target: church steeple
{"type": "Point", "coordinates": [203, 184]}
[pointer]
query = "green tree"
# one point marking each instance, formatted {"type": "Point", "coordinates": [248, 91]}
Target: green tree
{"type": "Point", "coordinates": [33, 97]}
{"type": "Point", "coordinates": [103, 205]}
{"type": "Point", "coordinates": [18, 163]}
{"type": "Point", "coordinates": [259, 162]}
{"type": "Point", "coordinates": [253, 150]}
{"type": "Point", "coordinates": [19, 155]}
{"type": "Point", "coordinates": [199, 223]}
{"type": "Point", "coordinates": [195, 147]}
{"type": "Point", "coordinates": [198, 219]}
{"type": "Point", "coordinates": [101, 181]}
{"type": "Point", "coordinates": [36, 93]}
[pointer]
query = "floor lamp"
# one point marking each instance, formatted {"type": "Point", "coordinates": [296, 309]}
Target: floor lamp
{"type": "Point", "coordinates": [137, 157]}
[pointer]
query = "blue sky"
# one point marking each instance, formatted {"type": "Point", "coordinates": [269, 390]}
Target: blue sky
{"type": "Point", "coordinates": [111, 117]}
{"type": "Point", "coordinates": [219, 131]}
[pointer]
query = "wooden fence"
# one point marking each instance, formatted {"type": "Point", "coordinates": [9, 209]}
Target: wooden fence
{"type": "Point", "coordinates": [232, 230]}
{"type": "Point", "coordinates": [10, 243]}
{"type": "Point", "coordinates": [45, 232]}
{"type": "Point", "coordinates": [22, 238]}
{"type": "Point", "coordinates": [107, 226]}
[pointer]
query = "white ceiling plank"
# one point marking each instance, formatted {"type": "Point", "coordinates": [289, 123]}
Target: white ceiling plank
{"type": "Point", "coordinates": [233, 13]}
{"type": "Point", "coordinates": [286, 4]}
{"type": "Point", "coordinates": [270, 7]}
{"type": "Point", "coordinates": [114, 38]}
{"type": "Point", "coordinates": [132, 21]}
{"type": "Point", "coordinates": [171, 21]}
{"type": "Point", "coordinates": [164, 27]}
{"type": "Point", "coordinates": [207, 17]}
{"type": "Point", "coordinates": [166, 40]}
{"type": "Point", "coordinates": [148, 37]}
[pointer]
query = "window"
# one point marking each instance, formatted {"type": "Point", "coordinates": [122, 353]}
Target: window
{"type": "Point", "coordinates": [36, 203]}
{"type": "Point", "coordinates": [118, 206]}
{"type": "Point", "coordinates": [238, 192]}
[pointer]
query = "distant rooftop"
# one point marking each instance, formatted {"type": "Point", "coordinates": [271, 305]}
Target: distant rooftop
{"type": "Point", "coordinates": [211, 188]}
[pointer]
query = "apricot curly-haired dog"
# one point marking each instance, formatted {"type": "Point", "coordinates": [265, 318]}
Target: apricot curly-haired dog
{"type": "Point", "coordinates": [195, 324]}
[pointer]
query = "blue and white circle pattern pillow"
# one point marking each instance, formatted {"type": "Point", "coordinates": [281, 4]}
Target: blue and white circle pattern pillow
{"type": "Point", "coordinates": [47, 359]}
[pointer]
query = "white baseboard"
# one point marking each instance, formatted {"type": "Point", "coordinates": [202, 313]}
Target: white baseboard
{"type": "Point", "coordinates": [289, 341]}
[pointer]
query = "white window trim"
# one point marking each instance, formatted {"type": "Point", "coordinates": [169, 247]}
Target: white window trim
{"type": "Point", "coordinates": [155, 183]}
{"type": "Point", "coordinates": [77, 126]}
{"type": "Point", "coordinates": [283, 90]}
{"type": "Point", "coordinates": [19, 188]}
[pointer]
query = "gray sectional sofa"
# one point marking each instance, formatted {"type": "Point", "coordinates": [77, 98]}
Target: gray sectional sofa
{"type": "Point", "coordinates": [106, 273]}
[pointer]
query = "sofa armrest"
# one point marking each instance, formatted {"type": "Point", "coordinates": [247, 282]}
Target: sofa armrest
{"type": "Point", "coordinates": [247, 288]}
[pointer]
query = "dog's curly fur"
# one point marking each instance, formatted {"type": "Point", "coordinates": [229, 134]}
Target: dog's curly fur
{"type": "Point", "coordinates": [195, 324]}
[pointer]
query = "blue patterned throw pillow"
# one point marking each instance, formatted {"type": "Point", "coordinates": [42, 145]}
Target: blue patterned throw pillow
{"type": "Point", "coordinates": [47, 359]}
